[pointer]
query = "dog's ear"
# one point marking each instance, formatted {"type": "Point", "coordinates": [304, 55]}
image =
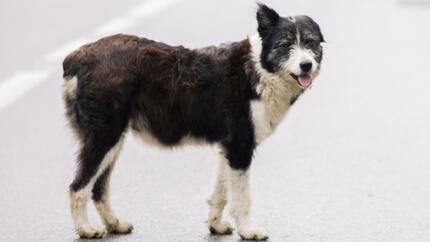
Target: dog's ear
{"type": "Point", "coordinates": [267, 18]}
{"type": "Point", "coordinates": [316, 27]}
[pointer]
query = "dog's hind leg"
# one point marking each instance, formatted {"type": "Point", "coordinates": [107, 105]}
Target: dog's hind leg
{"type": "Point", "coordinates": [99, 122]}
{"type": "Point", "coordinates": [218, 201]}
{"type": "Point", "coordinates": [102, 203]}
{"type": "Point", "coordinates": [94, 158]}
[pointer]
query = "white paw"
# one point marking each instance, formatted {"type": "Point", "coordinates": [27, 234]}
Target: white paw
{"type": "Point", "coordinates": [90, 232]}
{"type": "Point", "coordinates": [223, 227]}
{"type": "Point", "coordinates": [120, 227]}
{"type": "Point", "coordinates": [253, 233]}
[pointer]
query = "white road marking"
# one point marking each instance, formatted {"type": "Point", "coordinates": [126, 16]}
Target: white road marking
{"type": "Point", "coordinates": [151, 8]}
{"type": "Point", "coordinates": [61, 52]}
{"type": "Point", "coordinates": [113, 26]}
{"type": "Point", "coordinates": [22, 82]}
{"type": "Point", "coordinates": [19, 84]}
{"type": "Point", "coordinates": [143, 10]}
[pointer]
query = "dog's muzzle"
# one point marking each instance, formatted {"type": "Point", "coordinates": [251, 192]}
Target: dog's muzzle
{"type": "Point", "coordinates": [304, 80]}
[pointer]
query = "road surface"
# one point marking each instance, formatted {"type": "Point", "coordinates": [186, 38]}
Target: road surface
{"type": "Point", "coordinates": [349, 163]}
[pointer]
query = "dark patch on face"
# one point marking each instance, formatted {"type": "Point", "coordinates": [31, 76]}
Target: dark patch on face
{"type": "Point", "coordinates": [279, 35]}
{"type": "Point", "coordinates": [310, 35]}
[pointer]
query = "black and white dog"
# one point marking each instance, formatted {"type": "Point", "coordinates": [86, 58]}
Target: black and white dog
{"type": "Point", "coordinates": [232, 96]}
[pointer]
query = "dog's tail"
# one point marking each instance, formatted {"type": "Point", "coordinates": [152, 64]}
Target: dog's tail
{"type": "Point", "coordinates": [70, 66]}
{"type": "Point", "coordinates": [75, 64]}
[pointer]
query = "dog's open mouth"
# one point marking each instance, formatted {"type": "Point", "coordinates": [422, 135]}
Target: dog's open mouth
{"type": "Point", "coordinates": [304, 80]}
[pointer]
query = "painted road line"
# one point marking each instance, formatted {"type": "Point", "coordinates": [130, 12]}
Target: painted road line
{"type": "Point", "coordinates": [151, 8]}
{"type": "Point", "coordinates": [114, 26]}
{"type": "Point", "coordinates": [19, 84]}
{"type": "Point", "coordinates": [61, 52]}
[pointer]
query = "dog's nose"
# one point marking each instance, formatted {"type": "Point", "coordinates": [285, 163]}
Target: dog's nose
{"type": "Point", "coordinates": [306, 66]}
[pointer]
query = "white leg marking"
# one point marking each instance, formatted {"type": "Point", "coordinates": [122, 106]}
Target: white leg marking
{"type": "Point", "coordinates": [218, 201]}
{"type": "Point", "coordinates": [78, 208]}
{"type": "Point", "coordinates": [79, 199]}
{"type": "Point", "coordinates": [110, 220]}
{"type": "Point", "coordinates": [240, 205]}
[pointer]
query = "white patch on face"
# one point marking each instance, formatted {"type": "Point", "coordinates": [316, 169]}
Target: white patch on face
{"type": "Point", "coordinates": [298, 55]}
{"type": "Point", "coordinates": [275, 90]}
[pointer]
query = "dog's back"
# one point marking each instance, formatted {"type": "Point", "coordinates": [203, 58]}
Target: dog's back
{"type": "Point", "coordinates": [169, 92]}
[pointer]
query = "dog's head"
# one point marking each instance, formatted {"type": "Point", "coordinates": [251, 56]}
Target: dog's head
{"type": "Point", "coordinates": [291, 46]}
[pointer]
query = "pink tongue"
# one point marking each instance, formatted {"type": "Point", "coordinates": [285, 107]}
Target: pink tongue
{"type": "Point", "coordinates": [305, 80]}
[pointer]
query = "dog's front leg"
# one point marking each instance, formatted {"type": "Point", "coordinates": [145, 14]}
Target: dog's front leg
{"type": "Point", "coordinates": [238, 150]}
{"type": "Point", "coordinates": [240, 205]}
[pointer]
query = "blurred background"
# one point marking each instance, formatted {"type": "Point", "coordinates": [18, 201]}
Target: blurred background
{"type": "Point", "coordinates": [349, 163]}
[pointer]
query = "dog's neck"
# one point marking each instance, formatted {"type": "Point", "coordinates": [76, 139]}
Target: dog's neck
{"type": "Point", "coordinates": [276, 95]}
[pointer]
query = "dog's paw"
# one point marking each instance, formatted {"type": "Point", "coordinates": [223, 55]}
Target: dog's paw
{"type": "Point", "coordinates": [253, 233]}
{"type": "Point", "coordinates": [223, 227]}
{"type": "Point", "coordinates": [91, 232]}
{"type": "Point", "coordinates": [121, 227]}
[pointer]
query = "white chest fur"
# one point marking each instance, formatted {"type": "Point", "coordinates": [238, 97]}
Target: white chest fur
{"type": "Point", "coordinates": [275, 93]}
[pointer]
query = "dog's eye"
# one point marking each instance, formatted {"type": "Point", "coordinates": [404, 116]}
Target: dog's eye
{"type": "Point", "coordinates": [311, 44]}
{"type": "Point", "coordinates": [285, 46]}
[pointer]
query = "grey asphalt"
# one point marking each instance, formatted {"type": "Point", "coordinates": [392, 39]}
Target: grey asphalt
{"type": "Point", "coordinates": [349, 163]}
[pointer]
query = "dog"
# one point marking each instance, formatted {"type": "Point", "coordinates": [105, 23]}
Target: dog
{"type": "Point", "coordinates": [232, 96]}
